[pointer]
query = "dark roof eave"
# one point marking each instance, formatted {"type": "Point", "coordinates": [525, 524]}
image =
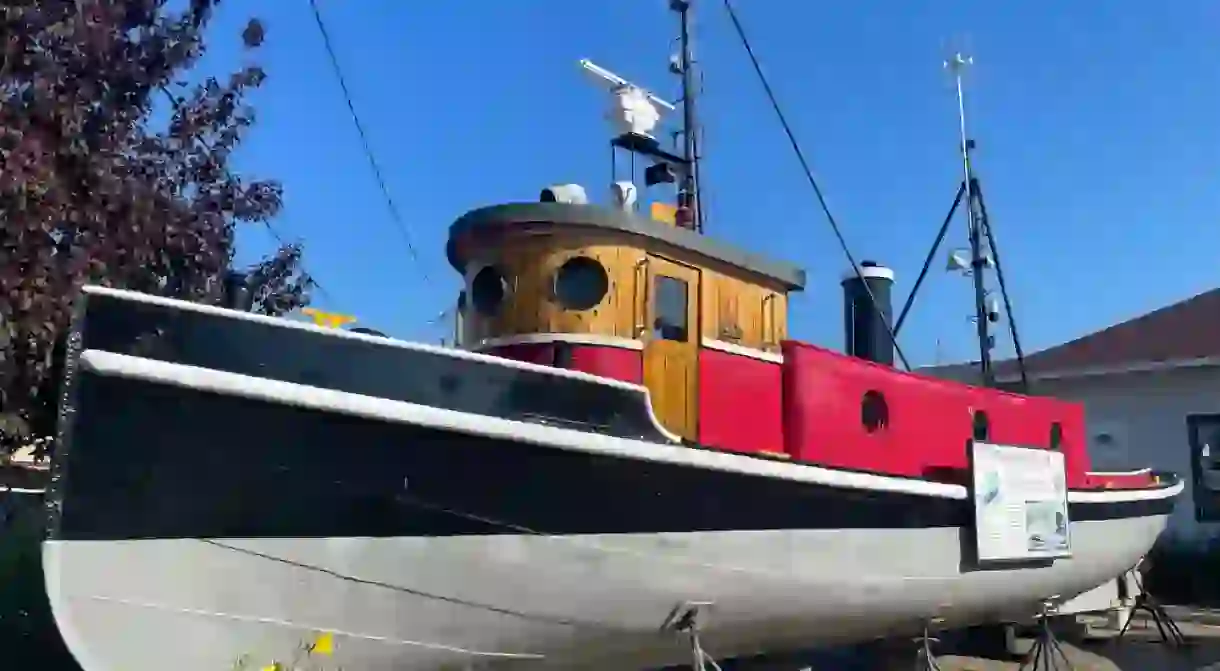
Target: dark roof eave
{"type": "Point", "coordinates": [1006, 370]}
{"type": "Point", "coordinates": [562, 214]}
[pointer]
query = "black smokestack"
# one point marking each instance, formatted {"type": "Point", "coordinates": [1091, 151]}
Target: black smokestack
{"type": "Point", "coordinates": [867, 335]}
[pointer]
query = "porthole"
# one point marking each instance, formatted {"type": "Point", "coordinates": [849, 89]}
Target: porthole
{"type": "Point", "coordinates": [874, 411]}
{"type": "Point", "coordinates": [488, 290]}
{"type": "Point", "coordinates": [1056, 436]}
{"type": "Point", "coordinates": [581, 283]}
{"type": "Point", "coordinates": [982, 427]}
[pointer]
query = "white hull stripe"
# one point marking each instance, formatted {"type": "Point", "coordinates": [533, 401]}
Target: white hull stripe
{"type": "Point", "coordinates": [274, 391]}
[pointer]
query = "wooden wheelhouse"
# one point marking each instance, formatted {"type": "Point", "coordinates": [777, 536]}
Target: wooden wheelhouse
{"type": "Point", "coordinates": [612, 293]}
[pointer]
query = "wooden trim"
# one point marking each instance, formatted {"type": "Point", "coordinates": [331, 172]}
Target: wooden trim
{"type": "Point", "coordinates": [741, 350]}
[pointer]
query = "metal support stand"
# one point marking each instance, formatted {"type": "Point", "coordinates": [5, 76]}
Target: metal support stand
{"type": "Point", "coordinates": [925, 659]}
{"type": "Point", "coordinates": [1171, 634]}
{"type": "Point", "coordinates": [700, 660]}
{"type": "Point", "coordinates": [687, 618]}
{"type": "Point", "coordinates": [1047, 653]}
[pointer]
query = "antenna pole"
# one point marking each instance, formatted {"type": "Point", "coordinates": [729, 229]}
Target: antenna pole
{"type": "Point", "coordinates": [978, 263]}
{"type": "Point", "coordinates": [689, 195]}
{"type": "Point", "coordinates": [999, 275]}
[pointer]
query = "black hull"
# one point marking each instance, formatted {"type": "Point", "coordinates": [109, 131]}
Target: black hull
{"type": "Point", "coordinates": [142, 459]}
{"type": "Point", "coordinates": [27, 628]}
{"type": "Point", "coordinates": [269, 349]}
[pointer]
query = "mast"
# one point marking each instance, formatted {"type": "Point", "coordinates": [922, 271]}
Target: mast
{"type": "Point", "coordinates": [689, 195]}
{"type": "Point", "coordinates": [978, 261]}
{"type": "Point", "coordinates": [636, 113]}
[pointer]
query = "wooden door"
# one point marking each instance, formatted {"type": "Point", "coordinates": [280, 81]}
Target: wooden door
{"type": "Point", "coordinates": [671, 344]}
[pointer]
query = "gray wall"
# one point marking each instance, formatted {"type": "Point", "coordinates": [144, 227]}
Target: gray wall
{"type": "Point", "coordinates": [1145, 414]}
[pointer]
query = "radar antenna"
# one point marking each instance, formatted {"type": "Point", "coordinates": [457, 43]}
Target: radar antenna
{"type": "Point", "coordinates": [636, 112]}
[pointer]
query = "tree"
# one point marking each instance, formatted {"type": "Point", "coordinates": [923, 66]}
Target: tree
{"type": "Point", "coordinates": [93, 190]}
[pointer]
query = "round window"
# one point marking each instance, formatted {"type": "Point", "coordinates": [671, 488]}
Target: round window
{"type": "Point", "coordinates": [982, 427]}
{"type": "Point", "coordinates": [581, 283]}
{"type": "Point", "coordinates": [874, 411]}
{"type": "Point", "coordinates": [488, 290]}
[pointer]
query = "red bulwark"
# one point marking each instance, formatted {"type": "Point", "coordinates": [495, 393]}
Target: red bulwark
{"type": "Point", "coordinates": [740, 403]}
{"type": "Point", "coordinates": [542, 354]}
{"type": "Point", "coordinates": [617, 363]}
{"type": "Point", "coordinates": [928, 421]}
{"type": "Point", "coordinates": [810, 408]}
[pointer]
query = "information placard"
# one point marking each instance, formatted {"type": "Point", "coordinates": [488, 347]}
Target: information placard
{"type": "Point", "coordinates": [1020, 503]}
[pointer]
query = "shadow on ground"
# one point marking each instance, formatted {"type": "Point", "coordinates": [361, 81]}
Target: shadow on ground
{"type": "Point", "coordinates": [1140, 650]}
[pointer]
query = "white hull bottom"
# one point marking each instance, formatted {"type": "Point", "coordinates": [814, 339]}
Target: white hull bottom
{"type": "Point", "coordinates": [564, 602]}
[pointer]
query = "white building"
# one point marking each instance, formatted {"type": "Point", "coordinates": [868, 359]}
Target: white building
{"type": "Point", "coordinates": [1151, 391]}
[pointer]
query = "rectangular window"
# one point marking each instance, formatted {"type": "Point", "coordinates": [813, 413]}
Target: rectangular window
{"type": "Point", "coordinates": [1204, 433]}
{"type": "Point", "coordinates": [670, 322]}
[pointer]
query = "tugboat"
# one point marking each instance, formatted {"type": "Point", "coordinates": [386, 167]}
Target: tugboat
{"type": "Point", "coordinates": [627, 455]}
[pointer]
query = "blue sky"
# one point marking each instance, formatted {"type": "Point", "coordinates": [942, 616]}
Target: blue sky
{"type": "Point", "coordinates": [1097, 126]}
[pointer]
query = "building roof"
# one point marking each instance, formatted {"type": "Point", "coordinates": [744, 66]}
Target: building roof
{"type": "Point", "coordinates": [1183, 334]}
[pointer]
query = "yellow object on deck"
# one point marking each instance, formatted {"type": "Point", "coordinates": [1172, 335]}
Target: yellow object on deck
{"type": "Point", "coordinates": [664, 213]}
{"type": "Point", "coordinates": [330, 320]}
